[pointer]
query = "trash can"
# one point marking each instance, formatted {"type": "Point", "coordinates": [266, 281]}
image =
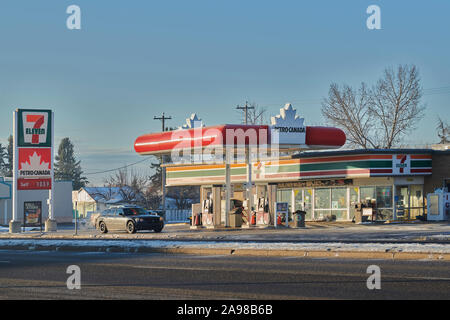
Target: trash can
{"type": "Point", "coordinates": [299, 219]}
{"type": "Point", "coordinates": [358, 216]}
{"type": "Point", "coordinates": [235, 220]}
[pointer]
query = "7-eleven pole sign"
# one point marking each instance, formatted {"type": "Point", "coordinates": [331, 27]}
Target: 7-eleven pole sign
{"type": "Point", "coordinates": [33, 152]}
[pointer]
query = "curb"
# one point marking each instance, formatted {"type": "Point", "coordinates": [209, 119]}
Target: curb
{"type": "Point", "coordinates": [243, 252]}
{"type": "Point", "coordinates": [38, 237]}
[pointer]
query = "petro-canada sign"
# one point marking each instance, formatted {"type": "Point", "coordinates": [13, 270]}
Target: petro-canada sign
{"type": "Point", "coordinates": [287, 128]}
{"type": "Point", "coordinates": [35, 168]}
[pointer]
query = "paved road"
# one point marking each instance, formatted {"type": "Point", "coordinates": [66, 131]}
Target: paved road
{"type": "Point", "coordinates": [42, 275]}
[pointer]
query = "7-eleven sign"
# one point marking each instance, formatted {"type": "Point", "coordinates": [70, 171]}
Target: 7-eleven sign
{"type": "Point", "coordinates": [401, 164]}
{"type": "Point", "coordinates": [34, 128]}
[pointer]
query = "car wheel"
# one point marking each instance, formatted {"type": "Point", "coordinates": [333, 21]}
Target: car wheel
{"type": "Point", "coordinates": [102, 227]}
{"type": "Point", "coordinates": [130, 227]}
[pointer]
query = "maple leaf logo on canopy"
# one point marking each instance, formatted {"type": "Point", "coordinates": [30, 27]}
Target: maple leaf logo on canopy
{"type": "Point", "coordinates": [34, 163]}
{"type": "Point", "coordinates": [192, 122]}
{"type": "Point", "coordinates": [287, 117]}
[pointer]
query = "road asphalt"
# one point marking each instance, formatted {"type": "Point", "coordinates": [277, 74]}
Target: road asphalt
{"type": "Point", "coordinates": [42, 275]}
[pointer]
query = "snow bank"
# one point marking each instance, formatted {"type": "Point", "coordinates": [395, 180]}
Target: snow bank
{"type": "Point", "coordinates": [131, 244]}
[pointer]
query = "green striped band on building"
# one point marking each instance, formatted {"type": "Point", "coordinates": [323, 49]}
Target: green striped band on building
{"type": "Point", "coordinates": [365, 165]}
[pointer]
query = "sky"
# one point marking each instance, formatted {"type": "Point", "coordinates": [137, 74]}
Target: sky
{"type": "Point", "coordinates": [132, 60]}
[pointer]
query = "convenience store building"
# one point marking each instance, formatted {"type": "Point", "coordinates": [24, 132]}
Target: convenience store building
{"type": "Point", "coordinates": [328, 184]}
{"type": "Point", "coordinates": [308, 171]}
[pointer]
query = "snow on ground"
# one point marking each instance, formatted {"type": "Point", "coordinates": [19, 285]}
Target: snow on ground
{"type": "Point", "coordinates": [6, 229]}
{"type": "Point", "coordinates": [438, 237]}
{"type": "Point", "coordinates": [131, 244]}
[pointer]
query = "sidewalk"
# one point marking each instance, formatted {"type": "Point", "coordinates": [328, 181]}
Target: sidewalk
{"type": "Point", "coordinates": [314, 232]}
{"type": "Point", "coordinates": [411, 251]}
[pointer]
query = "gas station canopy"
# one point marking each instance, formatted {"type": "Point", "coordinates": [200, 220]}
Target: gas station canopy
{"type": "Point", "coordinates": [286, 132]}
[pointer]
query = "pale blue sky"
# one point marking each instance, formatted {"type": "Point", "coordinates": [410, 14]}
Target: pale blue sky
{"type": "Point", "coordinates": [135, 59]}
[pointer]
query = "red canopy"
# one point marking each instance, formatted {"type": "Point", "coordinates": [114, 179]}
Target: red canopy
{"type": "Point", "coordinates": [239, 136]}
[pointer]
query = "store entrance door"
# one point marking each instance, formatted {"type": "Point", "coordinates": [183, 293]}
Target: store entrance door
{"type": "Point", "coordinates": [402, 202]}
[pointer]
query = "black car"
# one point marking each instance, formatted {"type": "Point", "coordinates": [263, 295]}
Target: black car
{"type": "Point", "coordinates": [129, 218]}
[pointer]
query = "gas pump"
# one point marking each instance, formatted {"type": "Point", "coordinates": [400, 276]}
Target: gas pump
{"type": "Point", "coordinates": [262, 212]}
{"type": "Point", "coordinates": [207, 210]}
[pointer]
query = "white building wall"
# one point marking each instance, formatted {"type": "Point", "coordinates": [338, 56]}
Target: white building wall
{"type": "Point", "coordinates": [62, 203]}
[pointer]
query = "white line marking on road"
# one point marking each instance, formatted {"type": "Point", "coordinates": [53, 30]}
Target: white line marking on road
{"type": "Point", "coordinates": [428, 278]}
{"type": "Point", "coordinates": [172, 268]}
{"type": "Point", "coordinates": [208, 257]}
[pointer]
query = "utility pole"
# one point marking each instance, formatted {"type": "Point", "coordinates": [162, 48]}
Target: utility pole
{"type": "Point", "coordinates": [246, 108]}
{"type": "Point", "coordinates": [163, 119]}
{"type": "Point", "coordinates": [249, 184]}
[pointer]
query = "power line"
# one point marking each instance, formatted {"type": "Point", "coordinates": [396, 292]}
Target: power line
{"type": "Point", "coordinates": [426, 92]}
{"type": "Point", "coordinates": [123, 167]}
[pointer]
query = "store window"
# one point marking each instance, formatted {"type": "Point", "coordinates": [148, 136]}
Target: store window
{"type": "Point", "coordinates": [308, 203]}
{"type": "Point", "coordinates": [285, 195]}
{"type": "Point", "coordinates": [384, 203]}
{"type": "Point", "coordinates": [331, 203]}
{"type": "Point", "coordinates": [322, 203]}
{"type": "Point", "coordinates": [322, 206]}
{"type": "Point", "coordinates": [354, 195]}
{"type": "Point", "coordinates": [322, 199]}
{"type": "Point", "coordinates": [383, 200]}
{"type": "Point", "coordinates": [298, 197]}
{"type": "Point", "coordinates": [367, 193]}
{"type": "Point", "coordinates": [384, 197]}
{"type": "Point", "coordinates": [339, 198]}
{"type": "Point", "coordinates": [339, 203]}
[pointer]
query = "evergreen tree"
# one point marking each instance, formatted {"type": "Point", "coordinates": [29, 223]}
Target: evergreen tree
{"type": "Point", "coordinates": [3, 158]}
{"type": "Point", "coordinates": [66, 166]}
{"type": "Point", "coordinates": [8, 169]}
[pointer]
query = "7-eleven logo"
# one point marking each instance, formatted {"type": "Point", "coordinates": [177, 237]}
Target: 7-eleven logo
{"type": "Point", "coordinates": [38, 121]}
{"type": "Point", "coordinates": [402, 164]}
{"type": "Point", "coordinates": [34, 127]}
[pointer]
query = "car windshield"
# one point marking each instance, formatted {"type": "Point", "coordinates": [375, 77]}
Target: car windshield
{"type": "Point", "coordinates": [134, 211]}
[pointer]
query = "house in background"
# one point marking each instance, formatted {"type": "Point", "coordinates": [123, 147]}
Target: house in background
{"type": "Point", "coordinates": [96, 199]}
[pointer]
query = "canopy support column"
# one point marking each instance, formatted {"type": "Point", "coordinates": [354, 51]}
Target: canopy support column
{"type": "Point", "coordinates": [249, 187]}
{"type": "Point", "coordinates": [227, 193]}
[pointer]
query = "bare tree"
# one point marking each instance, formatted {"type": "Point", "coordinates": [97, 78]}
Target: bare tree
{"type": "Point", "coordinates": [350, 111]}
{"type": "Point", "coordinates": [131, 186]}
{"type": "Point", "coordinates": [443, 131]}
{"type": "Point", "coordinates": [105, 194]}
{"type": "Point", "coordinates": [379, 117]}
{"type": "Point", "coordinates": [257, 115]}
{"type": "Point", "coordinates": [396, 103]}
{"type": "Point", "coordinates": [184, 195]}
